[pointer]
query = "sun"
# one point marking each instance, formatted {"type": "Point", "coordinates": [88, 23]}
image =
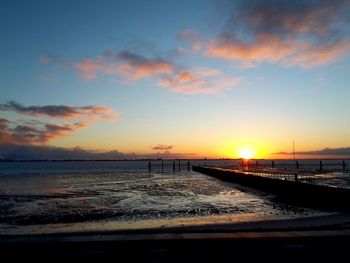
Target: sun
{"type": "Point", "coordinates": [246, 152]}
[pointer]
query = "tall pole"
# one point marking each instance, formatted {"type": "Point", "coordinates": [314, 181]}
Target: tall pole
{"type": "Point", "coordinates": [294, 154]}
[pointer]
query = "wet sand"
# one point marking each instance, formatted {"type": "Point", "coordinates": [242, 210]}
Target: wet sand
{"type": "Point", "coordinates": [321, 239]}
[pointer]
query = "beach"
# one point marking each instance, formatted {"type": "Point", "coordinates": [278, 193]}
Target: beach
{"type": "Point", "coordinates": [112, 211]}
{"type": "Point", "coordinates": [320, 239]}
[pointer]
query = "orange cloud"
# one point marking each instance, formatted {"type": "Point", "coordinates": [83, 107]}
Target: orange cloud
{"type": "Point", "coordinates": [272, 49]}
{"type": "Point", "coordinates": [18, 133]}
{"type": "Point", "coordinates": [298, 33]}
{"type": "Point", "coordinates": [266, 48]}
{"type": "Point", "coordinates": [191, 35]}
{"type": "Point", "coordinates": [61, 111]}
{"type": "Point", "coordinates": [162, 147]}
{"type": "Point", "coordinates": [312, 56]}
{"type": "Point", "coordinates": [198, 81]}
{"type": "Point", "coordinates": [44, 59]}
{"type": "Point", "coordinates": [38, 132]}
{"type": "Point", "coordinates": [124, 64]}
{"type": "Point", "coordinates": [88, 68]}
{"type": "Point", "coordinates": [132, 67]}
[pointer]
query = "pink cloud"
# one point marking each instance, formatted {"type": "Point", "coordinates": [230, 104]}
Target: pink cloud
{"type": "Point", "coordinates": [132, 67]}
{"type": "Point", "coordinates": [272, 49]}
{"type": "Point", "coordinates": [162, 147]}
{"type": "Point", "coordinates": [200, 81]}
{"type": "Point", "coordinates": [55, 59]}
{"type": "Point", "coordinates": [297, 33]}
{"type": "Point", "coordinates": [192, 36]}
{"type": "Point", "coordinates": [124, 64]}
{"type": "Point", "coordinates": [38, 132]}
{"type": "Point", "coordinates": [18, 133]}
{"type": "Point", "coordinates": [312, 56]}
{"type": "Point", "coordinates": [44, 59]}
{"type": "Point", "coordinates": [266, 48]}
{"type": "Point", "coordinates": [88, 68]}
{"type": "Point", "coordinates": [61, 111]}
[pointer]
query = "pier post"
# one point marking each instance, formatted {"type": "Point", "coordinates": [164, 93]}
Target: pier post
{"type": "Point", "coordinates": [295, 177]}
{"type": "Point", "coordinates": [174, 166]}
{"type": "Point", "coordinates": [297, 165]}
{"type": "Point", "coordinates": [344, 165]}
{"type": "Point", "coordinates": [188, 165]}
{"type": "Point", "coordinates": [179, 165]}
{"type": "Point", "coordinates": [162, 165]}
{"type": "Point", "coordinates": [273, 164]}
{"type": "Point", "coordinates": [321, 165]}
{"type": "Point", "coordinates": [149, 166]}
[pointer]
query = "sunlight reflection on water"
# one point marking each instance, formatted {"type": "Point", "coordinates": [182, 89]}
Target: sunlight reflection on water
{"type": "Point", "coordinates": [65, 202]}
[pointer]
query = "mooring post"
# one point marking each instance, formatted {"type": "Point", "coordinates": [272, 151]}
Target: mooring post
{"type": "Point", "coordinates": [188, 165]}
{"type": "Point", "coordinates": [343, 165]}
{"type": "Point", "coordinates": [295, 177]}
{"type": "Point", "coordinates": [179, 165]}
{"type": "Point", "coordinates": [257, 164]}
{"type": "Point", "coordinates": [162, 165]}
{"type": "Point", "coordinates": [174, 166]}
{"type": "Point", "coordinates": [149, 166]}
{"type": "Point", "coordinates": [297, 165]}
{"type": "Point", "coordinates": [273, 164]}
{"type": "Point", "coordinates": [320, 165]}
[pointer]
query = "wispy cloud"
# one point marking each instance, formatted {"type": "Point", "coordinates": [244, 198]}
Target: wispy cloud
{"type": "Point", "coordinates": [124, 64]}
{"type": "Point", "coordinates": [44, 59]}
{"type": "Point", "coordinates": [131, 67]}
{"type": "Point", "coordinates": [55, 59]}
{"type": "Point", "coordinates": [162, 147]}
{"type": "Point", "coordinates": [199, 81]}
{"type": "Point", "coordinates": [192, 36]}
{"type": "Point", "coordinates": [29, 152]}
{"type": "Point", "coordinates": [344, 151]}
{"type": "Point", "coordinates": [39, 132]}
{"type": "Point", "coordinates": [291, 33]}
{"type": "Point", "coordinates": [61, 111]}
{"type": "Point", "coordinates": [18, 133]}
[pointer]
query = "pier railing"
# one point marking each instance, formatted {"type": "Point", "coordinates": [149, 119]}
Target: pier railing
{"type": "Point", "coordinates": [305, 194]}
{"type": "Point", "coordinates": [271, 168]}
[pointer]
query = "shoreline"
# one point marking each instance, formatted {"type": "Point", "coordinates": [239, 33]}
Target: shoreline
{"type": "Point", "coordinates": [320, 238]}
{"type": "Point", "coordinates": [330, 222]}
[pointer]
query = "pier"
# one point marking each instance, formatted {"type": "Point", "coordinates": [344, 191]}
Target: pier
{"type": "Point", "coordinates": [291, 191]}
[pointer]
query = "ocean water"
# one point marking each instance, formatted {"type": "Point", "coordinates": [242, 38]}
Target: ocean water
{"type": "Point", "coordinates": [56, 197]}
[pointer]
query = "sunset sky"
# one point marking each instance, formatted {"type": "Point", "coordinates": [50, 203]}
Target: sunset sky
{"type": "Point", "coordinates": [195, 78]}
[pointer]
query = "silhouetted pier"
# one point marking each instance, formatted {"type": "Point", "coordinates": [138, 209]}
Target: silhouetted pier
{"type": "Point", "coordinates": [181, 165]}
{"type": "Point", "coordinates": [289, 190]}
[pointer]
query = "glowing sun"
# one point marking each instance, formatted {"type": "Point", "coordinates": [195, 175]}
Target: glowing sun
{"type": "Point", "coordinates": [246, 152]}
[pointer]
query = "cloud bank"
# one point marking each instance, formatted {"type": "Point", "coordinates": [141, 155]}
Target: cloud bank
{"type": "Point", "coordinates": [44, 152]}
{"type": "Point", "coordinates": [41, 132]}
{"type": "Point", "coordinates": [292, 33]}
{"type": "Point", "coordinates": [162, 147]}
{"type": "Point", "coordinates": [344, 151]}
{"type": "Point", "coordinates": [131, 67]}
{"type": "Point", "coordinates": [60, 111]}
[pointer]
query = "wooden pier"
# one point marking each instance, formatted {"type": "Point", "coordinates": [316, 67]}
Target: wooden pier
{"type": "Point", "coordinates": [293, 192]}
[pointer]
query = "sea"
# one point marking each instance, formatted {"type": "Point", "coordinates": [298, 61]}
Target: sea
{"type": "Point", "coordinates": [89, 196]}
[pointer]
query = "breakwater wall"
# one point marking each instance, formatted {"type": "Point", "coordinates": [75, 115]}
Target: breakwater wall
{"type": "Point", "coordinates": [298, 193]}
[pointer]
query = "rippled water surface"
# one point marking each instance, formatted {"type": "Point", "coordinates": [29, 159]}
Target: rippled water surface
{"type": "Point", "coordinates": [39, 198]}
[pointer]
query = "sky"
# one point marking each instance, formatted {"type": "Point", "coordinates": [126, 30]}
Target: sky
{"type": "Point", "coordinates": [187, 79]}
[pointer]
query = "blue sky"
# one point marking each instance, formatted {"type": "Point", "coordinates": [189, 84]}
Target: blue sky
{"type": "Point", "coordinates": [204, 77]}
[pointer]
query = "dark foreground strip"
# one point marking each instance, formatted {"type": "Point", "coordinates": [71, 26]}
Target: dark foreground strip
{"type": "Point", "coordinates": [311, 246]}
